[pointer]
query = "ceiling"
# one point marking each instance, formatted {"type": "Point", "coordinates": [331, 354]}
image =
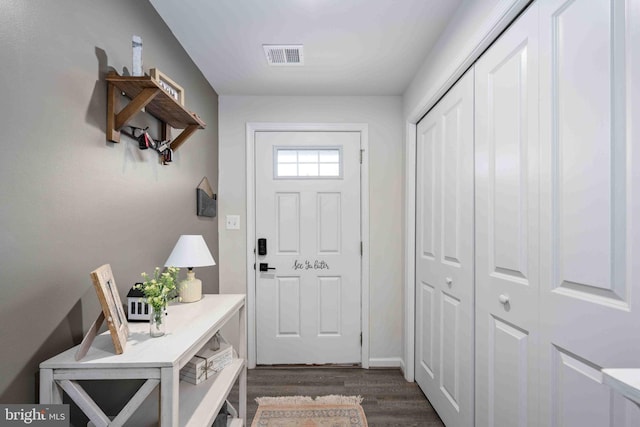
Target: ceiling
{"type": "Point", "coordinates": [351, 47]}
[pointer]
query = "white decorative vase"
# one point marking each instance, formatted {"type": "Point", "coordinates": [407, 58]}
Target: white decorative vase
{"type": "Point", "coordinates": [157, 322]}
{"type": "Point", "coordinates": [191, 288]}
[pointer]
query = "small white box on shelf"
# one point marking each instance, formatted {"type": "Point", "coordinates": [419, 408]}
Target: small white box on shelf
{"type": "Point", "coordinates": [221, 357]}
{"type": "Point", "coordinates": [195, 371]}
{"type": "Point", "coordinates": [207, 363]}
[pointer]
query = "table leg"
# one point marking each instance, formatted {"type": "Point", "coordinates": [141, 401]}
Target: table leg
{"type": "Point", "coordinates": [242, 404]}
{"type": "Point", "coordinates": [242, 352]}
{"type": "Point", "coordinates": [50, 392]}
{"type": "Point", "coordinates": [169, 397]}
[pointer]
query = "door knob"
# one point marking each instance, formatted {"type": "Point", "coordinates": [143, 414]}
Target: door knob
{"type": "Point", "coordinates": [448, 281]}
{"type": "Point", "coordinates": [265, 267]}
{"type": "Point", "coordinates": [504, 299]}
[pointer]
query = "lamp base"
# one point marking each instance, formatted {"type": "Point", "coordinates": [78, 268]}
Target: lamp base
{"type": "Point", "coordinates": [191, 288]}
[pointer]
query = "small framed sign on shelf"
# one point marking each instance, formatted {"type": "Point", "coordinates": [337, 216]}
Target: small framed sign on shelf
{"type": "Point", "coordinates": [172, 88]}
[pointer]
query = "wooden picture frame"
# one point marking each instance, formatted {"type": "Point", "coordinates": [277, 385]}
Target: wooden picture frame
{"type": "Point", "coordinates": [172, 88]}
{"type": "Point", "coordinates": [112, 310]}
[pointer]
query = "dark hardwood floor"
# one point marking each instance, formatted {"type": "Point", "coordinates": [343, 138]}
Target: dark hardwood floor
{"type": "Point", "coordinates": [388, 399]}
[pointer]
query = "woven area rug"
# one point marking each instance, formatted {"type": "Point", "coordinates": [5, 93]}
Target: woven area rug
{"type": "Point", "coordinates": [303, 411]}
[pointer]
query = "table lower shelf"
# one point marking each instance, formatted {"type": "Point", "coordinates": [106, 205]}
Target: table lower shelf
{"type": "Point", "coordinates": [199, 404]}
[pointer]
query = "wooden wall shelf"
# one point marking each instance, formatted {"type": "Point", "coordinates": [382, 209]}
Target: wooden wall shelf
{"type": "Point", "coordinates": [145, 92]}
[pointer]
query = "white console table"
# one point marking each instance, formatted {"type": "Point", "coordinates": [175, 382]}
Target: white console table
{"type": "Point", "coordinates": [158, 361]}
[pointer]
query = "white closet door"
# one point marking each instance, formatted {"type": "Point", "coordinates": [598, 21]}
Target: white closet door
{"type": "Point", "coordinates": [507, 210]}
{"type": "Point", "coordinates": [444, 255]}
{"type": "Point", "coordinates": [590, 210]}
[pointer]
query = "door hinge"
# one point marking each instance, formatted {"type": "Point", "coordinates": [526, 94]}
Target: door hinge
{"type": "Point", "coordinates": [361, 249]}
{"type": "Point", "coordinates": [360, 339]}
{"type": "Point", "coordinates": [361, 154]}
{"type": "Point", "coordinates": [254, 265]}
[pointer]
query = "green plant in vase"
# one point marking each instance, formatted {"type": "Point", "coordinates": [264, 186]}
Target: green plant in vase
{"type": "Point", "coordinates": [158, 291]}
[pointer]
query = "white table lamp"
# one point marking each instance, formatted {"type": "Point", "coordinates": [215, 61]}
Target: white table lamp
{"type": "Point", "coordinates": [190, 251]}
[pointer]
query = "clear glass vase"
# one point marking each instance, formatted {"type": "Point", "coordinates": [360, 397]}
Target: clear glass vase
{"type": "Point", "coordinates": [157, 322]}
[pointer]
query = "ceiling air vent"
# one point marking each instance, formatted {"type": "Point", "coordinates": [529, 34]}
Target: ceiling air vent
{"type": "Point", "coordinates": [283, 54]}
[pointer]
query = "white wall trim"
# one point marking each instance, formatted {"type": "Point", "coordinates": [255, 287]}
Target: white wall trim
{"type": "Point", "coordinates": [385, 362]}
{"type": "Point", "coordinates": [364, 232]}
{"type": "Point", "coordinates": [499, 19]}
{"type": "Point", "coordinates": [251, 129]}
{"type": "Point", "coordinates": [410, 251]}
{"type": "Point", "coordinates": [251, 238]}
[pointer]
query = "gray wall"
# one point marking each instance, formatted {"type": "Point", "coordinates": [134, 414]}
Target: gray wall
{"type": "Point", "coordinates": [69, 200]}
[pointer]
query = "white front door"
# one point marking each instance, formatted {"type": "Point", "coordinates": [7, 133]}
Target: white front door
{"type": "Point", "coordinates": [507, 247]}
{"type": "Point", "coordinates": [308, 302]}
{"type": "Point", "coordinates": [590, 210]}
{"type": "Point", "coordinates": [444, 256]}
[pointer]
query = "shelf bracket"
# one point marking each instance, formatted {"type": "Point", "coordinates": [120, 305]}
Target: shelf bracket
{"type": "Point", "coordinates": [165, 132]}
{"type": "Point", "coordinates": [116, 121]}
{"type": "Point", "coordinates": [180, 139]}
{"type": "Point", "coordinates": [113, 135]}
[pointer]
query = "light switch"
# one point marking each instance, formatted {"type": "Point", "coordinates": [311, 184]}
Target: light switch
{"type": "Point", "coordinates": [233, 222]}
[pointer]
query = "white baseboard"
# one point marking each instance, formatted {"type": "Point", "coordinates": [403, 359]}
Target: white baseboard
{"type": "Point", "coordinates": [385, 362]}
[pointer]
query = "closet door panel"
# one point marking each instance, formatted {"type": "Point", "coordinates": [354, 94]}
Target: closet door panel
{"type": "Point", "coordinates": [508, 198]}
{"type": "Point", "coordinates": [428, 253]}
{"type": "Point", "coordinates": [590, 278]}
{"type": "Point", "coordinates": [444, 256]}
{"type": "Point", "coordinates": [507, 150]}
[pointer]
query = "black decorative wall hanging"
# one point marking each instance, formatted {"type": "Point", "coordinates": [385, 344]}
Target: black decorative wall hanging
{"type": "Point", "coordinates": [207, 203]}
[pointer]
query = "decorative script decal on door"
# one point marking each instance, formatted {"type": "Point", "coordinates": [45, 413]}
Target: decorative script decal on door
{"type": "Point", "coordinates": [308, 265]}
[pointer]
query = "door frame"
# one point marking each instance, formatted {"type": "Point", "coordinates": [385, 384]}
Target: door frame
{"type": "Point", "coordinates": [503, 13]}
{"type": "Point", "coordinates": [251, 129]}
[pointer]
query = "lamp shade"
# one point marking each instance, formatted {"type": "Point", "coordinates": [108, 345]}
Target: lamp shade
{"type": "Point", "coordinates": [190, 251]}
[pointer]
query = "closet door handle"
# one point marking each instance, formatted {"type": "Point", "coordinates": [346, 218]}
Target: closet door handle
{"type": "Point", "coordinates": [504, 299]}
